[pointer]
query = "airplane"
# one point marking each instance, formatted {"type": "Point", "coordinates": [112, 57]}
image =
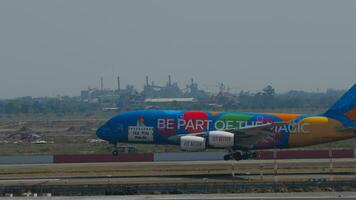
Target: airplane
{"type": "Point", "coordinates": [241, 133]}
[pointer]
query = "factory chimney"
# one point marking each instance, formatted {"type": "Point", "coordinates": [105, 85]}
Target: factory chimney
{"type": "Point", "coordinates": [101, 84]}
{"type": "Point", "coordinates": [147, 84]}
{"type": "Point", "coordinates": [169, 80]}
{"type": "Point", "coordinates": [118, 84]}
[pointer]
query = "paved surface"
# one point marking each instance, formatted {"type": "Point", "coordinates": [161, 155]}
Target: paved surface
{"type": "Point", "coordinates": [247, 196]}
{"type": "Point", "coordinates": [171, 172]}
{"type": "Point", "coordinates": [242, 162]}
{"type": "Point", "coordinates": [182, 172]}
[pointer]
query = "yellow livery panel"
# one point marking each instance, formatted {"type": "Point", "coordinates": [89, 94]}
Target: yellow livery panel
{"type": "Point", "coordinates": [318, 129]}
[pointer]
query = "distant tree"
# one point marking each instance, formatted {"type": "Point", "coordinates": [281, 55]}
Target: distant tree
{"type": "Point", "coordinates": [25, 107]}
{"type": "Point", "coordinates": [269, 91]}
{"type": "Point", "coordinates": [268, 97]}
{"type": "Point", "coordinates": [2, 107]}
{"type": "Point", "coordinates": [13, 106]}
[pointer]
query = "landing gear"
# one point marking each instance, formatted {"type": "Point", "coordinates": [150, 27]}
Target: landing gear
{"type": "Point", "coordinates": [240, 155]}
{"type": "Point", "coordinates": [115, 152]}
{"type": "Point", "coordinates": [122, 149]}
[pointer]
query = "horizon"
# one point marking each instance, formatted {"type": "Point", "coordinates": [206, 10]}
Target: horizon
{"type": "Point", "coordinates": [213, 92]}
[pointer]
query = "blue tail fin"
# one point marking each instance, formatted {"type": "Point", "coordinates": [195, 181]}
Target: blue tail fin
{"type": "Point", "coordinates": [344, 110]}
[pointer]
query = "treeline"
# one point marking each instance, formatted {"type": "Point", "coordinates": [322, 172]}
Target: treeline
{"type": "Point", "coordinates": [264, 100]}
{"type": "Point", "coordinates": [45, 105]}
{"type": "Point", "coordinates": [268, 98]}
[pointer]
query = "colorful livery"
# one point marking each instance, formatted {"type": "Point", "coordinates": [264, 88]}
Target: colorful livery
{"type": "Point", "coordinates": [239, 132]}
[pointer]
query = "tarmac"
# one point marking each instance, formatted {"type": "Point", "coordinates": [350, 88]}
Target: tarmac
{"type": "Point", "coordinates": [153, 172]}
{"type": "Point", "coordinates": [166, 177]}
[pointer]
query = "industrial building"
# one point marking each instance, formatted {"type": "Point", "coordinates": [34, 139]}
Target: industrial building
{"type": "Point", "coordinates": [152, 96]}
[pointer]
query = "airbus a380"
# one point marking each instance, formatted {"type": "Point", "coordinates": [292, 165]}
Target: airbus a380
{"type": "Point", "coordinates": [241, 133]}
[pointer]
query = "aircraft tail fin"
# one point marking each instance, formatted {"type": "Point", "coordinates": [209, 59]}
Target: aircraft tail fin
{"type": "Point", "coordinates": [344, 110]}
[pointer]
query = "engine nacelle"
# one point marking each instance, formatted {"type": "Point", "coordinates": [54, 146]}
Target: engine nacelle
{"type": "Point", "coordinates": [220, 139]}
{"type": "Point", "coordinates": [192, 143]}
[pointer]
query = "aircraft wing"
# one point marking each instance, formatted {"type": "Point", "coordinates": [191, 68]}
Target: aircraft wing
{"type": "Point", "coordinates": [247, 136]}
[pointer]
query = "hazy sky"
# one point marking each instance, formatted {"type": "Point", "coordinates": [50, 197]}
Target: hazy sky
{"type": "Point", "coordinates": [61, 47]}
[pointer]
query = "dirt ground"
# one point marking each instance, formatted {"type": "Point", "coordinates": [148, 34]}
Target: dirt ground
{"type": "Point", "coordinates": [58, 135]}
{"type": "Point", "coordinates": [29, 135]}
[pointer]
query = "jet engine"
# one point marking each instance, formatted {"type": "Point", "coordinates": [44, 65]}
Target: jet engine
{"type": "Point", "coordinates": [220, 139]}
{"type": "Point", "coordinates": [192, 143]}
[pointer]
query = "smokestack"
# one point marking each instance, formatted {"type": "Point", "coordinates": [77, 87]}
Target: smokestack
{"type": "Point", "coordinates": [192, 81]}
{"type": "Point", "coordinates": [101, 83]}
{"type": "Point", "coordinates": [147, 81]}
{"type": "Point", "coordinates": [118, 83]}
{"type": "Point", "coordinates": [169, 80]}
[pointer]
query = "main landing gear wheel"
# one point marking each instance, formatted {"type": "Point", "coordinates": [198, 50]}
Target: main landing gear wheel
{"type": "Point", "coordinates": [253, 155]}
{"type": "Point", "coordinates": [240, 156]}
{"type": "Point", "coordinates": [228, 157]}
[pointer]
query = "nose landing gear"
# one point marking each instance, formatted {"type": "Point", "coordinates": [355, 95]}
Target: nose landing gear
{"type": "Point", "coordinates": [122, 148]}
{"type": "Point", "coordinates": [115, 151]}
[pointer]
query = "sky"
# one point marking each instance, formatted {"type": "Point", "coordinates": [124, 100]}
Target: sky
{"type": "Point", "coordinates": [50, 48]}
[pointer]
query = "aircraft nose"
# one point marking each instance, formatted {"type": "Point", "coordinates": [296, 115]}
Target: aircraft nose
{"type": "Point", "coordinates": [102, 131]}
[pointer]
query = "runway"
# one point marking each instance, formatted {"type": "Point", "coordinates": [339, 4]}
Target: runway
{"type": "Point", "coordinates": [182, 177]}
{"type": "Point", "coordinates": [287, 170]}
